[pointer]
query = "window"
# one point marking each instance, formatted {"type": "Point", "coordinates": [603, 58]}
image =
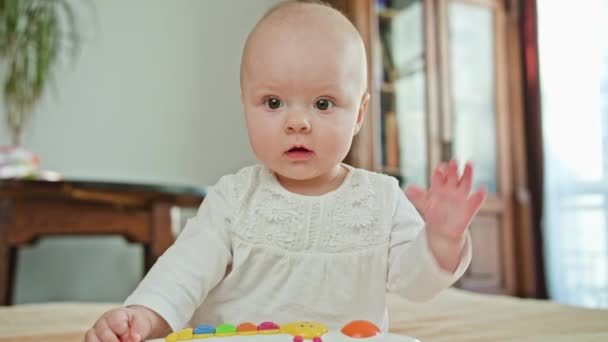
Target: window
{"type": "Point", "coordinates": [573, 56]}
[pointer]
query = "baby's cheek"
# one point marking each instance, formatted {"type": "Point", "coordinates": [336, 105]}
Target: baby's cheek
{"type": "Point", "coordinates": [259, 139]}
{"type": "Point", "coordinates": [258, 127]}
{"type": "Point", "coordinates": [338, 143]}
{"type": "Point", "coordinates": [263, 141]}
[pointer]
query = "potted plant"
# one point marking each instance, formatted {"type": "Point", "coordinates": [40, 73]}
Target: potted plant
{"type": "Point", "coordinates": [34, 34]}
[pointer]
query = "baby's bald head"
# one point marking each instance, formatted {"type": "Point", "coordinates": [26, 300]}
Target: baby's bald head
{"type": "Point", "coordinates": [303, 81]}
{"type": "Point", "coordinates": [305, 31]}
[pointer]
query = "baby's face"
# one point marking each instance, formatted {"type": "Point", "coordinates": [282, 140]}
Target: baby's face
{"type": "Point", "coordinates": [303, 92]}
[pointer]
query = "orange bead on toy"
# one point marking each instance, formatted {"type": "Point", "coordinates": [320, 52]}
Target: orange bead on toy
{"type": "Point", "coordinates": [360, 329]}
{"type": "Point", "coordinates": [247, 329]}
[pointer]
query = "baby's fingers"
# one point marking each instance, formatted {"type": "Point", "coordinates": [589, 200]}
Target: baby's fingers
{"type": "Point", "coordinates": [118, 322]}
{"type": "Point", "coordinates": [439, 176]}
{"type": "Point", "coordinates": [466, 181]}
{"type": "Point", "coordinates": [104, 333]}
{"type": "Point", "coordinates": [418, 197]}
{"type": "Point", "coordinates": [131, 336]}
{"type": "Point", "coordinates": [138, 325]}
{"type": "Point", "coordinates": [90, 336]}
{"type": "Point", "coordinates": [476, 200]}
{"type": "Point", "coordinates": [452, 174]}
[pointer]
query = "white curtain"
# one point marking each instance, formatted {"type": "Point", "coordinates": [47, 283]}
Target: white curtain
{"type": "Point", "coordinates": [573, 56]}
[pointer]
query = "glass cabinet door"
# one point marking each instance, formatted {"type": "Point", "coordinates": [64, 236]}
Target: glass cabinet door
{"type": "Point", "coordinates": [404, 98]}
{"type": "Point", "coordinates": [452, 62]}
{"type": "Point", "coordinates": [471, 114]}
{"type": "Point", "coordinates": [475, 128]}
{"type": "Point", "coordinates": [444, 95]}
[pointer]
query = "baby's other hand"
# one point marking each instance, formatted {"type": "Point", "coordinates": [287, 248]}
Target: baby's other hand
{"type": "Point", "coordinates": [447, 207]}
{"type": "Point", "coordinates": [120, 325]}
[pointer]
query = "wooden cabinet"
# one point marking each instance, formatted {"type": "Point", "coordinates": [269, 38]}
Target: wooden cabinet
{"type": "Point", "coordinates": [440, 90]}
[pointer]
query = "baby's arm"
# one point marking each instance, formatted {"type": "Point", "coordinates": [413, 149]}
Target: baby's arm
{"type": "Point", "coordinates": [182, 277]}
{"type": "Point", "coordinates": [427, 256]}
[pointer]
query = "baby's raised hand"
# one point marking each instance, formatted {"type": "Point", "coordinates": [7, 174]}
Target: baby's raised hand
{"type": "Point", "coordinates": [447, 207]}
{"type": "Point", "coordinates": [119, 325]}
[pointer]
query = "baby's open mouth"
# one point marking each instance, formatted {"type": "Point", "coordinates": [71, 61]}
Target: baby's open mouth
{"type": "Point", "coordinates": [299, 153]}
{"type": "Point", "coordinates": [299, 149]}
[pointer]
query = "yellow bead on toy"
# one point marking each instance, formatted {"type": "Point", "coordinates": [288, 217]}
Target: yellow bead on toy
{"type": "Point", "coordinates": [308, 330]}
{"type": "Point", "coordinates": [185, 334]}
{"type": "Point", "coordinates": [172, 337]}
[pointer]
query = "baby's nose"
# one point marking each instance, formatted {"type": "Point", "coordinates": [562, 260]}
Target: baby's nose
{"type": "Point", "coordinates": [297, 124]}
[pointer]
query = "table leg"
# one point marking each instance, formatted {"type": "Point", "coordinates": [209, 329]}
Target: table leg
{"type": "Point", "coordinates": [162, 236]}
{"type": "Point", "coordinates": [6, 266]}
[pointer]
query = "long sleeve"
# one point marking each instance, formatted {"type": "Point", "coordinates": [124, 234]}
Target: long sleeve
{"type": "Point", "coordinates": [413, 270]}
{"type": "Point", "coordinates": [183, 276]}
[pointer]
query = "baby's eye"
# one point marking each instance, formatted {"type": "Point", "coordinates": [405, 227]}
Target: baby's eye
{"type": "Point", "coordinates": [324, 104]}
{"type": "Point", "coordinates": [273, 103]}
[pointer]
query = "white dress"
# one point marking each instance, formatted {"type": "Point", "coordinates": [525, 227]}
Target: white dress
{"type": "Point", "coordinates": [256, 252]}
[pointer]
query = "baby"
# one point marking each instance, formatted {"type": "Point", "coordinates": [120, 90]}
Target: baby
{"type": "Point", "coordinates": [303, 236]}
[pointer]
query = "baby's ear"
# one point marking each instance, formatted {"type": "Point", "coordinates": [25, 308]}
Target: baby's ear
{"type": "Point", "coordinates": [362, 111]}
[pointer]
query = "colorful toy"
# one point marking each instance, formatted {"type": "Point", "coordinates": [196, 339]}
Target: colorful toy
{"type": "Point", "coordinates": [292, 332]}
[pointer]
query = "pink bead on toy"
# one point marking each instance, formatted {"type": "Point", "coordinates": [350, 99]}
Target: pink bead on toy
{"type": "Point", "coordinates": [268, 326]}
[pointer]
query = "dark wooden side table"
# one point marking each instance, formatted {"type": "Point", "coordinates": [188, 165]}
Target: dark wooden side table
{"type": "Point", "coordinates": [32, 209]}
